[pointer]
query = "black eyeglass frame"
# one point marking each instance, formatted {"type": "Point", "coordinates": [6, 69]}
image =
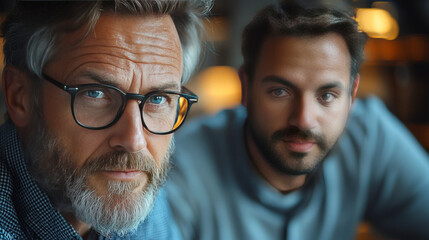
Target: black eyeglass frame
{"type": "Point", "coordinates": [73, 89]}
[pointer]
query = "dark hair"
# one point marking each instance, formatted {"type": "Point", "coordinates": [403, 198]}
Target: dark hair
{"type": "Point", "coordinates": [31, 31]}
{"type": "Point", "coordinates": [294, 20]}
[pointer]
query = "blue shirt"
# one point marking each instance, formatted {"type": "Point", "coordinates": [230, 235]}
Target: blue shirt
{"type": "Point", "coordinates": [27, 213]}
{"type": "Point", "coordinates": [377, 172]}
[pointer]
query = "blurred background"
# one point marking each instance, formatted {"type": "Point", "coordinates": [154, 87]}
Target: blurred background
{"type": "Point", "coordinates": [396, 67]}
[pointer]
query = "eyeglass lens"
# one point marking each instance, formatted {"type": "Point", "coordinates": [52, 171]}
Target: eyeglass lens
{"type": "Point", "coordinates": [97, 107]}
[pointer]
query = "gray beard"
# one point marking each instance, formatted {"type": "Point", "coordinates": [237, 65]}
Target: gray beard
{"type": "Point", "coordinates": [120, 211]}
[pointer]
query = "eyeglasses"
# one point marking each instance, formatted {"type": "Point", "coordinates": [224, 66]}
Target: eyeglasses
{"type": "Point", "coordinates": [99, 106]}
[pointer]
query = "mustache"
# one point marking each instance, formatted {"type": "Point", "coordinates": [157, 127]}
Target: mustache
{"type": "Point", "coordinates": [296, 133]}
{"type": "Point", "coordinates": [121, 160]}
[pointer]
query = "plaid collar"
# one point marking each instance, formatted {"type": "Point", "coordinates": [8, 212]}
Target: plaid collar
{"type": "Point", "coordinates": [28, 212]}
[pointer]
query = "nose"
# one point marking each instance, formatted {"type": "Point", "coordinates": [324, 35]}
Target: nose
{"type": "Point", "coordinates": [304, 115]}
{"type": "Point", "coordinates": [128, 132]}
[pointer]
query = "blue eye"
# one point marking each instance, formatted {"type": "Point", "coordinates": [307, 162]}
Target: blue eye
{"type": "Point", "coordinates": [95, 93]}
{"type": "Point", "coordinates": [158, 99]}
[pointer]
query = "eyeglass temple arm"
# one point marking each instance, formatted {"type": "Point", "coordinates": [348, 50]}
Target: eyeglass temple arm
{"type": "Point", "coordinates": [53, 81]}
{"type": "Point", "coordinates": [193, 97]}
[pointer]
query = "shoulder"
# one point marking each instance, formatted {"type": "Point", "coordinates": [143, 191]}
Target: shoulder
{"type": "Point", "coordinates": [4, 235]}
{"type": "Point", "coordinates": [6, 183]}
{"type": "Point", "coordinates": [9, 224]}
{"type": "Point", "coordinates": [9, 151]}
{"type": "Point", "coordinates": [370, 111]}
{"type": "Point", "coordinates": [205, 149]}
{"type": "Point", "coordinates": [209, 137]}
{"type": "Point", "coordinates": [375, 143]}
{"type": "Point", "coordinates": [217, 124]}
{"type": "Point", "coordinates": [207, 142]}
{"type": "Point", "coordinates": [395, 169]}
{"type": "Point", "coordinates": [372, 126]}
{"type": "Point", "coordinates": [159, 224]}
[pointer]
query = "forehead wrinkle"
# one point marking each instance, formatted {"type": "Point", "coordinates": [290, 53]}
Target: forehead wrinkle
{"type": "Point", "coordinates": [155, 33]}
{"type": "Point", "coordinates": [132, 46]}
{"type": "Point", "coordinates": [136, 45]}
{"type": "Point", "coordinates": [154, 44]}
{"type": "Point", "coordinates": [156, 68]}
{"type": "Point", "coordinates": [149, 58]}
{"type": "Point", "coordinates": [130, 51]}
{"type": "Point", "coordinates": [85, 71]}
{"type": "Point", "coordinates": [157, 72]}
{"type": "Point", "coordinates": [155, 53]}
{"type": "Point", "coordinates": [159, 37]}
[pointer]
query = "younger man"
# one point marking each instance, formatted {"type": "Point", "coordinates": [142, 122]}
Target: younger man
{"type": "Point", "coordinates": [288, 164]}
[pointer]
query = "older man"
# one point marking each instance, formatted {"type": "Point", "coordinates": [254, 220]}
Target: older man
{"type": "Point", "coordinates": [93, 92]}
{"type": "Point", "coordinates": [302, 159]}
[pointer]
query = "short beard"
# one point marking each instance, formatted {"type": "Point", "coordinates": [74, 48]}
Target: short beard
{"type": "Point", "coordinates": [278, 161]}
{"type": "Point", "coordinates": [120, 211]}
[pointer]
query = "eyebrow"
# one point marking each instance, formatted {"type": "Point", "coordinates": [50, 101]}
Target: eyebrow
{"type": "Point", "coordinates": [277, 79]}
{"type": "Point", "coordinates": [287, 83]}
{"type": "Point", "coordinates": [100, 79]}
{"type": "Point", "coordinates": [165, 86]}
{"type": "Point", "coordinates": [336, 84]}
{"type": "Point", "coordinates": [108, 81]}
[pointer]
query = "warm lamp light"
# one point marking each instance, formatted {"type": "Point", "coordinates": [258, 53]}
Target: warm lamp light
{"type": "Point", "coordinates": [377, 23]}
{"type": "Point", "coordinates": [219, 88]}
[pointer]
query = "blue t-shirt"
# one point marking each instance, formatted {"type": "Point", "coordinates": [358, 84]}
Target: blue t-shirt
{"type": "Point", "coordinates": [377, 172]}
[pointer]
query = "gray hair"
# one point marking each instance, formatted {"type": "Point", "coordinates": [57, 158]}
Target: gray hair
{"type": "Point", "coordinates": [31, 31]}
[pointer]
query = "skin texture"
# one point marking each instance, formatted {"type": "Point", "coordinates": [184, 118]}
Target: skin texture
{"type": "Point", "coordinates": [298, 103]}
{"type": "Point", "coordinates": [135, 54]}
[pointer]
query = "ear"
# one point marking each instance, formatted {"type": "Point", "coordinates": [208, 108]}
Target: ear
{"type": "Point", "coordinates": [355, 87]}
{"type": "Point", "coordinates": [17, 94]}
{"type": "Point", "coordinates": [244, 85]}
